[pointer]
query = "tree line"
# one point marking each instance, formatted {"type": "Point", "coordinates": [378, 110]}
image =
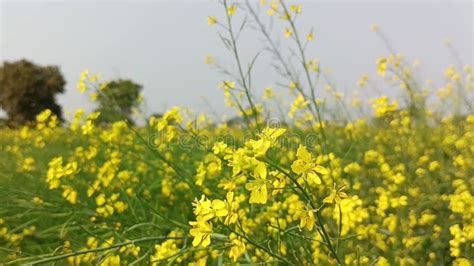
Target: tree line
{"type": "Point", "coordinates": [26, 89]}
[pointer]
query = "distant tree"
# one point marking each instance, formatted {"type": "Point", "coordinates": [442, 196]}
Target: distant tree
{"type": "Point", "coordinates": [155, 115]}
{"type": "Point", "coordinates": [235, 121]}
{"type": "Point", "coordinates": [3, 122]}
{"type": "Point", "coordinates": [27, 89]}
{"type": "Point", "coordinates": [117, 100]}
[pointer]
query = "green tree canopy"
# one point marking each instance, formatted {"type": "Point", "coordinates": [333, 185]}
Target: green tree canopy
{"type": "Point", "coordinates": [117, 100]}
{"type": "Point", "coordinates": [26, 89]}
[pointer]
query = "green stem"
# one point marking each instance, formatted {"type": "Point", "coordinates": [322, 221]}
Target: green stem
{"type": "Point", "coordinates": [239, 66]}
{"type": "Point", "coordinates": [76, 253]}
{"type": "Point", "coordinates": [320, 221]}
{"type": "Point", "coordinates": [308, 76]}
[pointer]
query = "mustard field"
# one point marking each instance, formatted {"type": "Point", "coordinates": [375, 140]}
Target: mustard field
{"type": "Point", "coordinates": [334, 180]}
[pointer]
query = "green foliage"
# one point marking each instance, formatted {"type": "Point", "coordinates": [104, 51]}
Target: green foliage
{"type": "Point", "coordinates": [117, 100]}
{"type": "Point", "coordinates": [26, 89]}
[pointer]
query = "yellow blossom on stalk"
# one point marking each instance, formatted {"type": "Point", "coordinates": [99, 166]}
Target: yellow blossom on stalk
{"type": "Point", "coordinates": [382, 66]}
{"type": "Point", "coordinates": [259, 187]}
{"type": "Point", "coordinates": [232, 207]}
{"type": "Point", "coordinates": [29, 231]}
{"type": "Point", "coordinates": [79, 113]}
{"type": "Point", "coordinates": [231, 10]}
{"type": "Point", "coordinates": [81, 85]}
{"type": "Point", "coordinates": [120, 206]}
{"type": "Point", "coordinates": [461, 262]}
{"type": "Point", "coordinates": [382, 261]}
{"type": "Point", "coordinates": [93, 96]}
{"type": "Point", "coordinates": [25, 133]}
{"type": "Point", "coordinates": [87, 128]}
{"type": "Point", "coordinates": [258, 147]}
{"type": "Point", "coordinates": [328, 88]}
{"type": "Point", "coordinates": [279, 183]}
{"type": "Point", "coordinates": [111, 260]}
{"type": "Point", "coordinates": [268, 93]}
{"type": "Point", "coordinates": [227, 85]}
{"type": "Point", "coordinates": [55, 172]}
{"type": "Point", "coordinates": [399, 201]}
{"type": "Point", "coordinates": [275, 5]}
{"type": "Point", "coordinates": [105, 211]}
{"type": "Point", "coordinates": [237, 249]}
{"type": "Point", "coordinates": [271, 12]}
{"type": "Point", "coordinates": [296, 8]}
{"type": "Point", "coordinates": [450, 72]}
{"type": "Point", "coordinates": [100, 200]}
{"type": "Point", "coordinates": [288, 33]}
{"type": "Point", "coordinates": [300, 103]}
{"type": "Point", "coordinates": [207, 209]}
{"type": "Point", "coordinates": [209, 60]}
{"type": "Point", "coordinates": [306, 216]}
{"type": "Point", "coordinates": [71, 169]}
{"type": "Point", "coordinates": [211, 20]}
{"type": "Point", "coordinates": [140, 98]}
{"type": "Point", "coordinates": [103, 86]}
{"type": "Point", "coordinates": [285, 16]}
{"type": "Point", "coordinates": [271, 134]}
{"type": "Point", "coordinates": [164, 251]}
{"type": "Point", "coordinates": [383, 107]}
{"type": "Point", "coordinates": [28, 164]}
{"type": "Point", "coordinates": [338, 95]}
{"type": "Point", "coordinates": [70, 194]}
{"type": "Point", "coordinates": [92, 242]}
{"type": "Point", "coordinates": [374, 27]}
{"type": "Point", "coordinates": [129, 249]}
{"type": "Point", "coordinates": [171, 116]}
{"type": "Point", "coordinates": [337, 194]}
{"type": "Point", "coordinates": [221, 148]}
{"type": "Point", "coordinates": [362, 83]}
{"type": "Point", "coordinates": [458, 239]}
{"type": "Point", "coordinates": [306, 166]}
{"type": "Point", "coordinates": [37, 200]}
{"type": "Point", "coordinates": [313, 65]}
{"type": "Point", "coordinates": [93, 116]}
{"type": "Point", "coordinates": [43, 116]}
{"type": "Point", "coordinates": [293, 86]}
{"type": "Point", "coordinates": [94, 78]}
{"type": "Point", "coordinates": [310, 36]}
{"type": "Point", "coordinates": [201, 231]}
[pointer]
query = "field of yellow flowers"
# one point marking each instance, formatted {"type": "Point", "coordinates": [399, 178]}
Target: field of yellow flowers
{"type": "Point", "coordinates": [392, 185]}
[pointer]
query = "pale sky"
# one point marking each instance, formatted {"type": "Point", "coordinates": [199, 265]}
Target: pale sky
{"type": "Point", "coordinates": [162, 44]}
